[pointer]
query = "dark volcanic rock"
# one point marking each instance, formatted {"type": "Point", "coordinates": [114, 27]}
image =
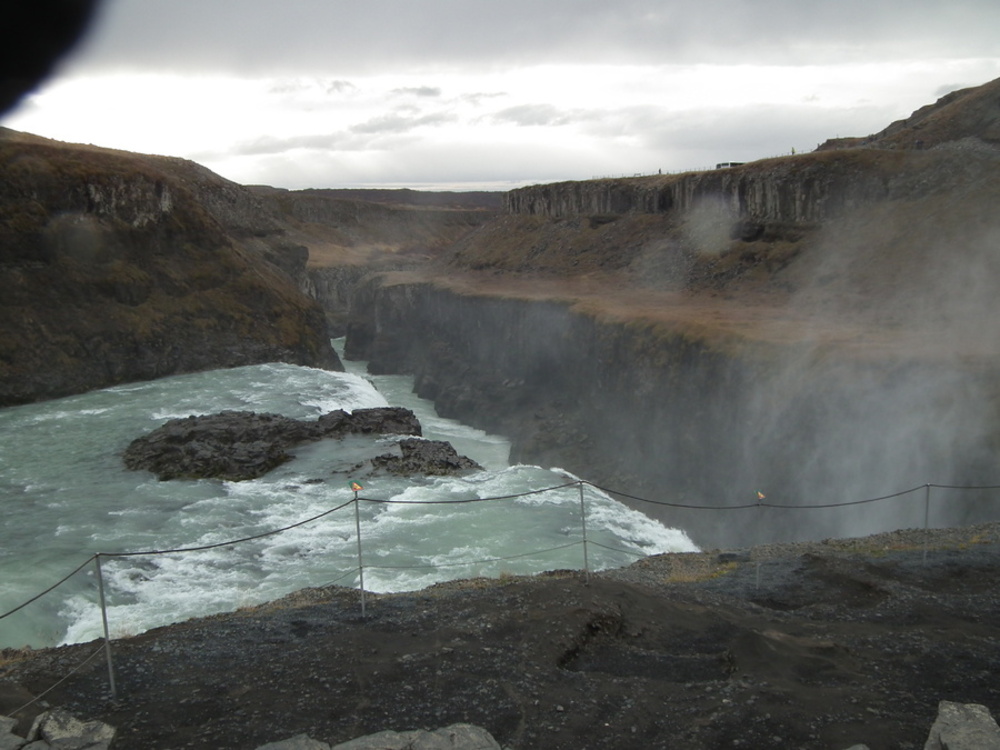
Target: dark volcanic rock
{"type": "Point", "coordinates": [675, 651]}
{"type": "Point", "coordinates": [435, 457]}
{"type": "Point", "coordinates": [236, 445]}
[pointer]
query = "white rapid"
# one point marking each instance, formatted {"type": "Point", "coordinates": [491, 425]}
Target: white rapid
{"type": "Point", "coordinates": [66, 496]}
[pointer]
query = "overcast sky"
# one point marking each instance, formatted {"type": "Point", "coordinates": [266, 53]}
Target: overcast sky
{"type": "Point", "coordinates": [487, 94]}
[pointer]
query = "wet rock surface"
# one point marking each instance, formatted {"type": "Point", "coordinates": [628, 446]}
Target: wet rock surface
{"type": "Point", "coordinates": [236, 445]}
{"type": "Point", "coordinates": [430, 457]}
{"type": "Point", "coordinates": [818, 645]}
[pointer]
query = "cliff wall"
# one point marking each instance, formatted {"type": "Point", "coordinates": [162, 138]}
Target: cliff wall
{"type": "Point", "coordinates": [669, 413]}
{"type": "Point", "coordinates": [123, 267]}
{"type": "Point", "coordinates": [353, 233]}
{"type": "Point", "coordinates": [815, 328]}
{"type": "Point", "coordinates": [804, 189]}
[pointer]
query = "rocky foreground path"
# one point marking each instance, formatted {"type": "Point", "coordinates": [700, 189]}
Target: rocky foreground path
{"type": "Point", "coordinates": [817, 645]}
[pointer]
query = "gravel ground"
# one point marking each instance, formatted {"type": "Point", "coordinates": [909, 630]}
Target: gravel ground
{"type": "Point", "coordinates": [813, 645]}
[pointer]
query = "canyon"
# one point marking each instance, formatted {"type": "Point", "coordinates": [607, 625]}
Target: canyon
{"type": "Point", "coordinates": [814, 329]}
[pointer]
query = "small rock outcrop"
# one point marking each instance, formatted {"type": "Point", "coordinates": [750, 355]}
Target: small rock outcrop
{"type": "Point", "coordinates": [963, 726]}
{"type": "Point", "coordinates": [298, 742]}
{"type": "Point", "coordinates": [433, 457]}
{"type": "Point", "coordinates": [454, 737]}
{"type": "Point", "coordinates": [57, 729]}
{"type": "Point", "coordinates": [234, 445]}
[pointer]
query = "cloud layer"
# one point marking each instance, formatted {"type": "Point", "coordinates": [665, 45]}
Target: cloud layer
{"type": "Point", "coordinates": [444, 92]}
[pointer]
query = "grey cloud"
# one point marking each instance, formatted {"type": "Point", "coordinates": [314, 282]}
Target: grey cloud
{"type": "Point", "coordinates": [531, 114]}
{"type": "Point", "coordinates": [359, 137]}
{"type": "Point", "coordinates": [476, 98]}
{"type": "Point", "coordinates": [273, 145]}
{"type": "Point", "coordinates": [345, 36]}
{"type": "Point", "coordinates": [752, 132]}
{"type": "Point", "coordinates": [419, 91]}
{"type": "Point", "coordinates": [606, 122]}
{"type": "Point", "coordinates": [397, 123]}
{"type": "Point", "coordinates": [299, 85]}
{"type": "Point", "coordinates": [378, 133]}
{"type": "Point", "coordinates": [339, 87]}
{"type": "Point", "coordinates": [418, 165]}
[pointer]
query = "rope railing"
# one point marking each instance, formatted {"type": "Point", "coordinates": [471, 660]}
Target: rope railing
{"type": "Point", "coordinates": [848, 503]}
{"type": "Point", "coordinates": [56, 684]}
{"type": "Point", "coordinates": [356, 501]}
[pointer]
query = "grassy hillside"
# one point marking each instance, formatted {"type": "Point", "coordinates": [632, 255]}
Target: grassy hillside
{"type": "Point", "coordinates": [121, 267]}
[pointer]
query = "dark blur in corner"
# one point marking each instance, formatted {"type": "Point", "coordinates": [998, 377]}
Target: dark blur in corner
{"type": "Point", "coordinates": [34, 34]}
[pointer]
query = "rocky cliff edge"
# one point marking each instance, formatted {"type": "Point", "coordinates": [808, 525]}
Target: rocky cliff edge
{"type": "Point", "coordinates": [120, 267]}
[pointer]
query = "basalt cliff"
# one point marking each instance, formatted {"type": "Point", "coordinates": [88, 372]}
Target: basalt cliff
{"type": "Point", "coordinates": [120, 267]}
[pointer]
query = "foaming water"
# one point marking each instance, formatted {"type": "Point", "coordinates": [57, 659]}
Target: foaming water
{"type": "Point", "coordinates": [66, 496]}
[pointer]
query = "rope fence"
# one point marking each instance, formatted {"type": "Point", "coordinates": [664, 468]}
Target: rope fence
{"type": "Point", "coordinates": [584, 542]}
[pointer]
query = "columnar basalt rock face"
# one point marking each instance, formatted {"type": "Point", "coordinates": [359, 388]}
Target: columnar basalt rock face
{"type": "Point", "coordinates": [805, 189]}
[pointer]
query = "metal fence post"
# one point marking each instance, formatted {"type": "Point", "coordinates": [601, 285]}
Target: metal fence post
{"type": "Point", "coordinates": [760, 537]}
{"type": "Point", "coordinates": [361, 566]}
{"type": "Point", "coordinates": [107, 634]}
{"type": "Point", "coordinates": [927, 518]}
{"type": "Point", "coordinates": [583, 524]}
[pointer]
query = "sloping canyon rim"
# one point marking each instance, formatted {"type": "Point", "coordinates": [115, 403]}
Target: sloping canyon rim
{"type": "Point", "coordinates": [745, 319]}
{"type": "Point", "coordinates": [813, 645]}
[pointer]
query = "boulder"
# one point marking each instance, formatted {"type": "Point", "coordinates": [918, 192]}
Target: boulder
{"type": "Point", "coordinates": [454, 737]}
{"type": "Point", "coordinates": [9, 740]}
{"type": "Point", "coordinates": [432, 457]}
{"type": "Point", "coordinates": [298, 742]}
{"type": "Point", "coordinates": [963, 726]}
{"type": "Point", "coordinates": [60, 729]}
{"type": "Point", "coordinates": [235, 445]}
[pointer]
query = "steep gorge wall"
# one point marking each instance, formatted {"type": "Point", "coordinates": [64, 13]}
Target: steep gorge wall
{"type": "Point", "coordinates": [805, 189]}
{"type": "Point", "coordinates": [119, 267]}
{"type": "Point", "coordinates": [670, 415]}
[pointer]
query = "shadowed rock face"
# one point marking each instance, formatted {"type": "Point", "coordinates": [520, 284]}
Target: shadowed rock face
{"type": "Point", "coordinates": [119, 267]}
